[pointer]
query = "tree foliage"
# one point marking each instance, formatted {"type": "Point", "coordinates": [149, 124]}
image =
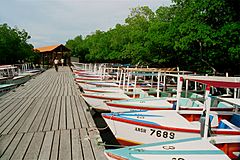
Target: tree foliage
{"type": "Point", "coordinates": [195, 35]}
{"type": "Point", "coordinates": [13, 45]}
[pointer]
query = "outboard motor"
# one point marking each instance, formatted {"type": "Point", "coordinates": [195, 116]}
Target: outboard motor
{"type": "Point", "coordinates": [174, 106]}
{"type": "Point", "coordinates": [202, 126]}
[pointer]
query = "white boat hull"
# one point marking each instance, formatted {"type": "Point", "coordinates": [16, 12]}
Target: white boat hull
{"type": "Point", "coordinates": [97, 100]}
{"type": "Point", "coordinates": [153, 126]}
{"type": "Point", "coordinates": [140, 104]}
{"type": "Point", "coordinates": [139, 134]}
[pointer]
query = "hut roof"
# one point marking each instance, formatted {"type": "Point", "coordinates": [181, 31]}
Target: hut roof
{"type": "Point", "coordinates": [53, 48]}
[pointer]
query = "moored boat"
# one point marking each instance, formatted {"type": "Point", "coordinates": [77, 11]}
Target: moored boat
{"type": "Point", "coordinates": [163, 103]}
{"type": "Point", "coordinates": [184, 149]}
{"type": "Point", "coordinates": [96, 100]}
{"type": "Point", "coordinates": [4, 88]}
{"type": "Point", "coordinates": [151, 126]}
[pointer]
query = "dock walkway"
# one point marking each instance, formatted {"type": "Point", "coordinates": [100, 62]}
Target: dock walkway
{"type": "Point", "coordinates": [47, 119]}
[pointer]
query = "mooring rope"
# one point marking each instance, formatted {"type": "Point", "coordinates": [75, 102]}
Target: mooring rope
{"type": "Point", "coordinates": [111, 145]}
{"type": "Point", "coordinates": [101, 129]}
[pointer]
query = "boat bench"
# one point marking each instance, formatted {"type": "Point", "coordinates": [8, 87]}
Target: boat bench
{"type": "Point", "coordinates": [225, 124]}
{"type": "Point", "coordinates": [224, 105]}
{"type": "Point", "coordinates": [235, 119]}
{"type": "Point", "coordinates": [195, 95]}
{"type": "Point", "coordinates": [197, 104]}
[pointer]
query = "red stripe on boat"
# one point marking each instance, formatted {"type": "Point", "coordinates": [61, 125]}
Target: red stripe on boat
{"type": "Point", "coordinates": [151, 125]}
{"type": "Point", "coordinates": [108, 98]}
{"type": "Point", "coordinates": [136, 107]}
{"type": "Point", "coordinates": [169, 128]}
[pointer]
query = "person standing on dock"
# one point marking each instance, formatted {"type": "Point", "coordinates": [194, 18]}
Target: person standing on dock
{"type": "Point", "coordinates": [56, 64]}
{"type": "Point", "coordinates": [62, 61]}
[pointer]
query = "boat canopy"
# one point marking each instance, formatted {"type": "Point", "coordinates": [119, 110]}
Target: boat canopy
{"type": "Point", "coordinates": [216, 81]}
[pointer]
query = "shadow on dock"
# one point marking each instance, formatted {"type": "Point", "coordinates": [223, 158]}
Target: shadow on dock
{"type": "Point", "coordinates": [106, 134]}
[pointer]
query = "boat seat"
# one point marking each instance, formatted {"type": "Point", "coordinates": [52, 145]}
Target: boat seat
{"type": "Point", "coordinates": [213, 118]}
{"type": "Point", "coordinates": [185, 102]}
{"type": "Point", "coordinates": [225, 124]}
{"type": "Point", "coordinates": [196, 124]}
{"type": "Point", "coordinates": [235, 119]}
{"type": "Point", "coordinates": [164, 94]}
{"type": "Point", "coordinates": [196, 104]}
{"type": "Point", "coordinates": [195, 95]}
{"type": "Point", "coordinates": [224, 105]}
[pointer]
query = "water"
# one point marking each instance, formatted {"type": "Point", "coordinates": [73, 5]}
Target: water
{"type": "Point", "coordinates": [106, 134]}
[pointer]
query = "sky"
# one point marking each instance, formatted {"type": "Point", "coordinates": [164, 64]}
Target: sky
{"type": "Point", "coordinates": [51, 22]}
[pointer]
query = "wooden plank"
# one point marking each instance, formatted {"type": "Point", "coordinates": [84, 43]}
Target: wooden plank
{"type": "Point", "coordinates": [60, 91]}
{"type": "Point", "coordinates": [51, 87]}
{"type": "Point", "coordinates": [55, 88]}
{"type": "Point", "coordinates": [46, 146]}
{"type": "Point", "coordinates": [4, 103]}
{"type": "Point", "coordinates": [9, 104]}
{"type": "Point", "coordinates": [76, 145]}
{"type": "Point", "coordinates": [62, 121]}
{"type": "Point", "coordinates": [70, 90]}
{"type": "Point", "coordinates": [28, 122]}
{"type": "Point", "coordinates": [49, 121]}
{"type": "Point", "coordinates": [5, 140]}
{"type": "Point", "coordinates": [32, 92]}
{"type": "Point", "coordinates": [78, 92]}
{"type": "Point", "coordinates": [38, 92]}
{"type": "Point", "coordinates": [22, 146]}
{"type": "Point", "coordinates": [81, 113]}
{"type": "Point", "coordinates": [35, 125]}
{"type": "Point", "coordinates": [95, 139]}
{"type": "Point", "coordinates": [35, 146]}
{"type": "Point", "coordinates": [26, 90]}
{"type": "Point", "coordinates": [26, 118]}
{"type": "Point", "coordinates": [7, 113]}
{"type": "Point", "coordinates": [48, 91]}
{"type": "Point", "coordinates": [86, 145]}
{"type": "Point", "coordinates": [65, 145]}
{"type": "Point", "coordinates": [43, 86]}
{"type": "Point", "coordinates": [70, 122]}
{"type": "Point", "coordinates": [65, 86]}
{"type": "Point", "coordinates": [15, 117]}
{"type": "Point", "coordinates": [8, 153]}
{"type": "Point", "coordinates": [56, 118]}
{"type": "Point", "coordinates": [89, 118]}
{"type": "Point", "coordinates": [55, 93]}
{"type": "Point", "coordinates": [55, 146]}
{"type": "Point", "coordinates": [46, 113]}
{"type": "Point", "coordinates": [76, 117]}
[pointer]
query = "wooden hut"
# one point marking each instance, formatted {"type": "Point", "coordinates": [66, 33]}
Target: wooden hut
{"type": "Point", "coordinates": [49, 53]}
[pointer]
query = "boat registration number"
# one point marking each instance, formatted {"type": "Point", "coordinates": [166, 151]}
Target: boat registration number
{"type": "Point", "coordinates": [163, 134]}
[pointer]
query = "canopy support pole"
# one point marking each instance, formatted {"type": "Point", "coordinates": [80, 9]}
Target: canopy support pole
{"type": "Point", "coordinates": [158, 84]}
{"type": "Point", "coordinates": [120, 79]}
{"type": "Point", "coordinates": [207, 104]}
{"type": "Point", "coordinates": [186, 91]}
{"type": "Point", "coordinates": [179, 90]}
{"type": "Point", "coordinates": [135, 86]}
{"type": "Point", "coordinates": [124, 81]}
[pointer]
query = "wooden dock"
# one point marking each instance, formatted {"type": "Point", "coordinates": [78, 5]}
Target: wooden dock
{"type": "Point", "coordinates": [47, 119]}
